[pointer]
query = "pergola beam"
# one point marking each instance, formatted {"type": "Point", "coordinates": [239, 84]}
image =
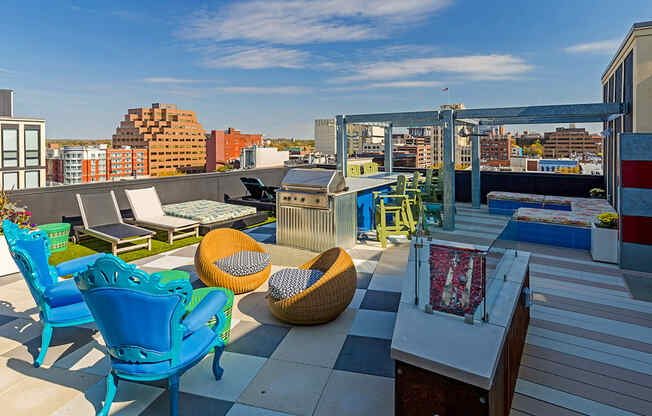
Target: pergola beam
{"type": "Point", "coordinates": [596, 111]}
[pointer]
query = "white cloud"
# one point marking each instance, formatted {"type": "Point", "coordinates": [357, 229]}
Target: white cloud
{"type": "Point", "coordinates": [602, 47]}
{"type": "Point", "coordinates": [480, 67]}
{"type": "Point", "coordinates": [254, 58]}
{"type": "Point", "coordinates": [291, 89]}
{"type": "Point", "coordinates": [407, 84]}
{"type": "Point", "coordinates": [294, 22]}
{"type": "Point", "coordinates": [6, 71]}
{"type": "Point", "coordinates": [169, 80]}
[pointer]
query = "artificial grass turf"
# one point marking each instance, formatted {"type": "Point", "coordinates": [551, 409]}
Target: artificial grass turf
{"type": "Point", "coordinates": [91, 245]}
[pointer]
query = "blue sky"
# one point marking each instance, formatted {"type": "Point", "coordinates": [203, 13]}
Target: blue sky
{"type": "Point", "coordinates": [273, 66]}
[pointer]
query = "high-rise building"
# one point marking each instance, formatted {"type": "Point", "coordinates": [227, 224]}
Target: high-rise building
{"type": "Point", "coordinates": [566, 142]}
{"type": "Point", "coordinates": [225, 146]}
{"type": "Point", "coordinates": [358, 136]}
{"type": "Point", "coordinates": [174, 139]}
{"type": "Point", "coordinates": [125, 162]}
{"type": "Point", "coordinates": [22, 145]}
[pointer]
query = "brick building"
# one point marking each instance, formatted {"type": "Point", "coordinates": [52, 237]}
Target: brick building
{"type": "Point", "coordinates": [225, 146]}
{"type": "Point", "coordinates": [126, 162]}
{"type": "Point", "coordinates": [567, 142]}
{"type": "Point", "coordinates": [496, 149]}
{"type": "Point", "coordinates": [174, 139]}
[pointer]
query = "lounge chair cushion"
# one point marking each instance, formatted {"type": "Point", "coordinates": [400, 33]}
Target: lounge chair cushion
{"type": "Point", "coordinates": [244, 263]}
{"type": "Point", "coordinates": [144, 203]}
{"type": "Point", "coordinates": [121, 231]}
{"type": "Point", "coordinates": [167, 222]}
{"type": "Point", "coordinates": [289, 282]}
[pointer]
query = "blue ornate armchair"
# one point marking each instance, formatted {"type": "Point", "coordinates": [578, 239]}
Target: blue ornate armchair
{"type": "Point", "coordinates": [59, 301]}
{"type": "Point", "coordinates": [148, 333]}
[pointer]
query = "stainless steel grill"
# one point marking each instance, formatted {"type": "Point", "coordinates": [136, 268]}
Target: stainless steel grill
{"type": "Point", "coordinates": [314, 211]}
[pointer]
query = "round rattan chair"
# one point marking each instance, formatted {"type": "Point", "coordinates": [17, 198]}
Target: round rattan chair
{"type": "Point", "coordinates": [221, 243]}
{"type": "Point", "coordinates": [327, 298]}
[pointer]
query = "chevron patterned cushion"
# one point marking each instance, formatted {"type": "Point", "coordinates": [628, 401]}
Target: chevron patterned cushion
{"type": "Point", "coordinates": [244, 263]}
{"type": "Point", "coordinates": [289, 282]}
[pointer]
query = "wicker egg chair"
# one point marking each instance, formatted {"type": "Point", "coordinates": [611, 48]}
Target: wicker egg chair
{"type": "Point", "coordinates": [327, 298]}
{"type": "Point", "coordinates": [221, 243]}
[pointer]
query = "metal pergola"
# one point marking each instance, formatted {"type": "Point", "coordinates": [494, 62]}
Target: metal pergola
{"type": "Point", "coordinates": [448, 119]}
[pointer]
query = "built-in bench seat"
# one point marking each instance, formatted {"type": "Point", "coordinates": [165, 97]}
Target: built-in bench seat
{"type": "Point", "coordinates": [553, 220]}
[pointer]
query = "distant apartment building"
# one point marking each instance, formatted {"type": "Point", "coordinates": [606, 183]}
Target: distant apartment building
{"type": "Point", "coordinates": [225, 146]}
{"type": "Point", "coordinates": [71, 165]}
{"type": "Point", "coordinates": [434, 135]}
{"type": "Point", "coordinates": [496, 149]}
{"type": "Point", "coordinates": [22, 147]}
{"type": "Point", "coordinates": [358, 135]}
{"type": "Point", "coordinates": [174, 139]}
{"type": "Point", "coordinates": [261, 157]}
{"type": "Point", "coordinates": [412, 156]}
{"type": "Point", "coordinates": [567, 142]}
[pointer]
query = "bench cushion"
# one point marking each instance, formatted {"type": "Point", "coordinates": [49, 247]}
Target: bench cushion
{"type": "Point", "coordinates": [514, 196]}
{"type": "Point", "coordinates": [289, 282]}
{"type": "Point", "coordinates": [244, 263]}
{"type": "Point", "coordinates": [550, 216]}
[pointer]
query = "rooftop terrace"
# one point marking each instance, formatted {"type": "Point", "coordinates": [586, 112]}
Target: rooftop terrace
{"type": "Point", "coordinates": [588, 351]}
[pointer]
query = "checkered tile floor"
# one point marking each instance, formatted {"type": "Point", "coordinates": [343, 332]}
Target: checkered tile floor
{"type": "Point", "coordinates": [340, 368]}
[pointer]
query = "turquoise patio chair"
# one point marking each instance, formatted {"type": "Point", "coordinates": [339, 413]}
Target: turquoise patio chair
{"type": "Point", "coordinates": [148, 333]}
{"type": "Point", "coordinates": [59, 301]}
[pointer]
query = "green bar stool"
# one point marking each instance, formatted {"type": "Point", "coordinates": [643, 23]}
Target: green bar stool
{"type": "Point", "coordinates": [199, 294]}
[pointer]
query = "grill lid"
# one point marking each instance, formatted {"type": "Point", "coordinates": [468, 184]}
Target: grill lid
{"type": "Point", "coordinates": [314, 180]}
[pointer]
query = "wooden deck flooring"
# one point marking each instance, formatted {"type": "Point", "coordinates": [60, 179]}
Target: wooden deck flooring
{"type": "Point", "coordinates": [589, 346]}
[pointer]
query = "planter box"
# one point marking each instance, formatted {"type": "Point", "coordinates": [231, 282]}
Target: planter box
{"type": "Point", "coordinates": [7, 264]}
{"type": "Point", "coordinates": [604, 244]}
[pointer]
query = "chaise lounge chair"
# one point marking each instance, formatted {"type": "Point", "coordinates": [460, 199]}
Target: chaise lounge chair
{"type": "Point", "coordinates": [148, 212]}
{"type": "Point", "coordinates": [258, 190]}
{"type": "Point", "coordinates": [102, 220]}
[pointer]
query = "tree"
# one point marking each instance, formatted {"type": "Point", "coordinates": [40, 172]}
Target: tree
{"type": "Point", "coordinates": [535, 150]}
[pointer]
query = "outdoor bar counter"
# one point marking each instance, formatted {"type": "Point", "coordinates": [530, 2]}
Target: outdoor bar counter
{"type": "Point", "coordinates": [365, 186]}
{"type": "Point", "coordinates": [446, 366]}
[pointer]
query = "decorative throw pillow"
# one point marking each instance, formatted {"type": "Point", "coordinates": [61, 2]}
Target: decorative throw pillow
{"type": "Point", "coordinates": [244, 263]}
{"type": "Point", "coordinates": [288, 282]}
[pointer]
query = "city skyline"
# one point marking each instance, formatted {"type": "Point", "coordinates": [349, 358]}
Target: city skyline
{"type": "Point", "coordinates": [273, 67]}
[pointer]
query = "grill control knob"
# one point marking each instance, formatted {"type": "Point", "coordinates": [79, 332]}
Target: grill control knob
{"type": "Point", "coordinates": [303, 199]}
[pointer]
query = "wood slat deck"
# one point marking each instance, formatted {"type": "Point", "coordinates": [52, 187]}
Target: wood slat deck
{"type": "Point", "coordinates": [589, 346]}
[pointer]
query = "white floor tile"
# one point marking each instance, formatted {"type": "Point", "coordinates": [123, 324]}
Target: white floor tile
{"type": "Point", "coordinates": [239, 370]}
{"type": "Point", "coordinates": [169, 262]}
{"type": "Point", "coordinates": [386, 282]}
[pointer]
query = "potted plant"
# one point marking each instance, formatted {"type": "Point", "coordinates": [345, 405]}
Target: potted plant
{"type": "Point", "coordinates": [604, 238]}
{"type": "Point", "coordinates": [10, 211]}
{"type": "Point", "coordinates": [596, 193]}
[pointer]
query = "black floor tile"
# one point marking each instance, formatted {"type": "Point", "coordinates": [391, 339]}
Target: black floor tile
{"type": "Point", "coordinates": [366, 355]}
{"type": "Point", "coordinates": [378, 300]}
{"type": "Point", "coordinates": [189, 404]}
{"type": "Point", "coordinates": [255, 339]}
{"type": "Point", "coordinates": [363, 280]}
{"type": "Point", "coordinates": [5, 319]}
